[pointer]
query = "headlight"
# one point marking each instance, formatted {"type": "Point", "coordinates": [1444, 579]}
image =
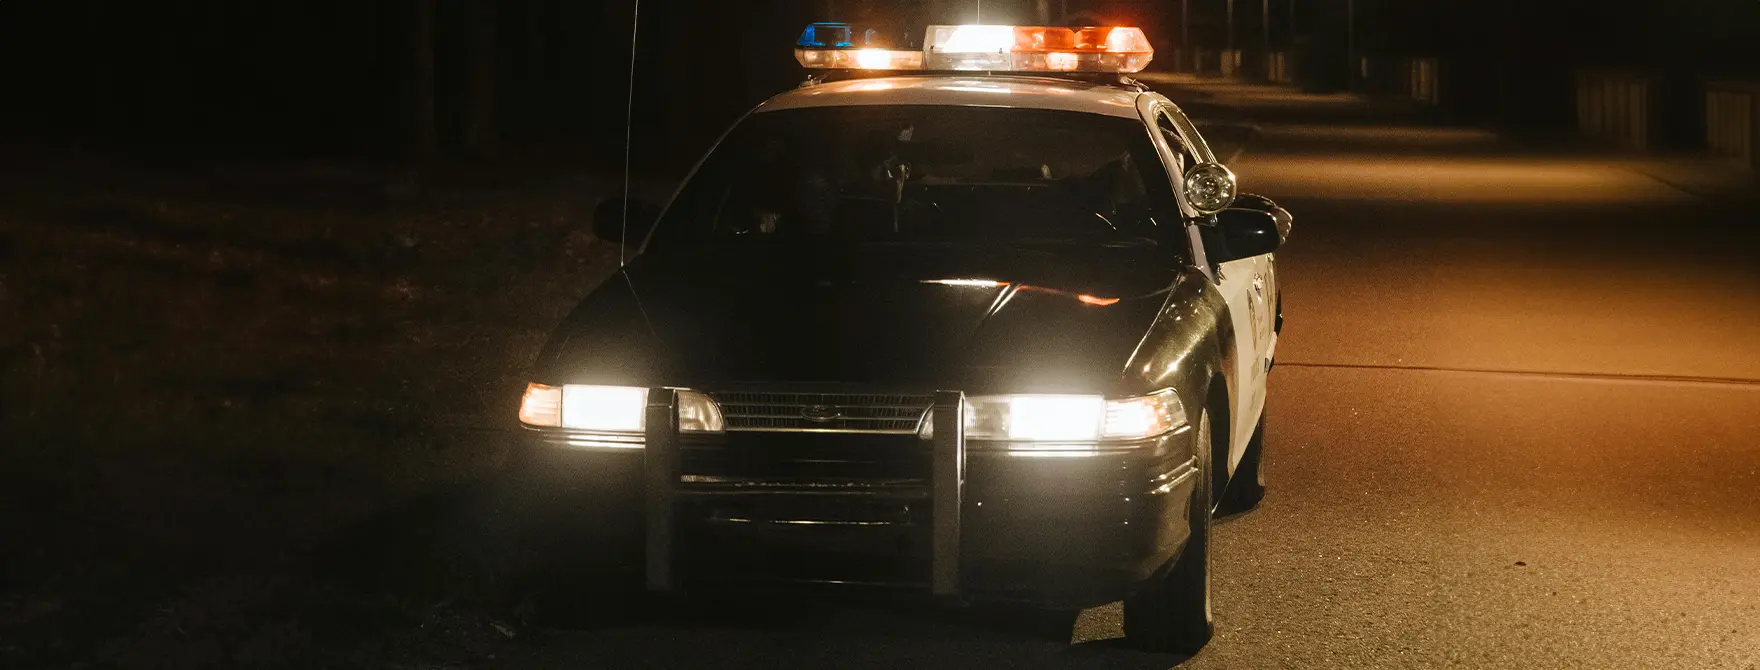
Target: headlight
{"type": "Point", "coordinates": [1051, 418]}
{"type": "Point", "coordinates": [1070, 418]}
{"type": "Point", "coordinates": [611, 409]}
{"type": "Point", "coordinates": [604, 408]}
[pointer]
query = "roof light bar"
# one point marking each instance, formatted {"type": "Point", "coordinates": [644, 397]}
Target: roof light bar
{"type": "Point", "coordinates": [860, 59]}
{"type": "Point", "coordinates": [838, 46]}
{"type": "Point", "coordinates": [974, 47]}
{"type": "Point", "coordinates": [825, 36]}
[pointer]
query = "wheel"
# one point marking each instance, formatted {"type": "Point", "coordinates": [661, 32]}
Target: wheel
{"type": "Point", "coordinates": [1247, 487]}
{"type": "Point", "coordinates": [1172, 612]}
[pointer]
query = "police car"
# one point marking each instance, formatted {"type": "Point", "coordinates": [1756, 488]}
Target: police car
{"type": "Point", "coordinates": [981, 318]}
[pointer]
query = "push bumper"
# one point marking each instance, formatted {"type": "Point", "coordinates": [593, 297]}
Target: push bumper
{"type": "Point", "coordinates": [1068, 531]}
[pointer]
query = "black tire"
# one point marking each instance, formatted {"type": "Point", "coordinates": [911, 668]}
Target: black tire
{"type": "Point", "coordinates": [1172, 612]}
{"type": "Point", "coordinates": [1277, 326]}
{"type": "Point", "coordinates": [1247, 487]}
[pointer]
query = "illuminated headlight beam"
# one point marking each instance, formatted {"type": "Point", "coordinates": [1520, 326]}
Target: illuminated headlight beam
{"type": "Point", "coordinates": [611, 410]}
{"type": "Point", "coordinates": [1049, 423]}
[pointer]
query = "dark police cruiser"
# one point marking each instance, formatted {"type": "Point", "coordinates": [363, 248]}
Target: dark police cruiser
{"type": "Point", "coordinates": [981, 317]}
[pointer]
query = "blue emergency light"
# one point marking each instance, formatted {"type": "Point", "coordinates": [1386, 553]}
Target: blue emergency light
{"type": "Point", "coordinates": [825, 35]}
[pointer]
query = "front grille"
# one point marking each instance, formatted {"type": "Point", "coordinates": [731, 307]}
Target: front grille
{"type": "Point", "coordinates": [831, 412]}
{"type": "Point", "coordinates": [809, 457]}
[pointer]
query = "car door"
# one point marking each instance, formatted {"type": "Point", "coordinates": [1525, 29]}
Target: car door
{"type": "Point", "coordinates": [1266, 289]}
{"type": "Point", "coordinates": [1263, 308]}
{"type": "Point", "coordinates": [1256, 339]}
{"type": "Point", "coordinates": [1243, 283]}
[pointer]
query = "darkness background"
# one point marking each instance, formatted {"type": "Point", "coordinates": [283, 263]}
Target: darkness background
{"type": "Point", "coordinates": [544, 80]}
{"type": "Point", "coordinates": [272, 273]}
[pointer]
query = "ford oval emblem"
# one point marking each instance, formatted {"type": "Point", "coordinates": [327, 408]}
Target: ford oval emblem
{"type": "Point", "coordinates": [820, 413]}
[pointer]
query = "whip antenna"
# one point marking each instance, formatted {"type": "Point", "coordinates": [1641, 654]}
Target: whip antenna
{"type": "Point", "coordinates": [629, 121]}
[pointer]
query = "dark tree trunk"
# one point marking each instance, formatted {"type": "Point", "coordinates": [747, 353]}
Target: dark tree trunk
{"type": "Point", "coordinates": [103, 91]}
{"type": "Point", "coordinates": [423, 135]}
{"type": "Point", "coordinates": [480, 137]}
{"type": "Point", "coordinates": [534, 99]}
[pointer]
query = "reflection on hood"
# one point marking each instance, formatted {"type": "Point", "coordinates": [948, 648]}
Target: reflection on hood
{"type": "Point", "coordinates": [910, 316]}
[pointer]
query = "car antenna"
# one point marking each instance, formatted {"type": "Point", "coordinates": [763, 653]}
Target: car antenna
{"type": "Point", "coordinates": [629, 121]}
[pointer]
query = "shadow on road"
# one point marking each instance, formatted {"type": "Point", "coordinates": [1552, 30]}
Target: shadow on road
{"type": "Point", "coordinates": [800, 631]}
{"type": "Point", "coordinates": [548, 588]}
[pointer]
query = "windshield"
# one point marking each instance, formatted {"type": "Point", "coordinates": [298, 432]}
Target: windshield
{"type": "Point", "coordinates": [928, 174]}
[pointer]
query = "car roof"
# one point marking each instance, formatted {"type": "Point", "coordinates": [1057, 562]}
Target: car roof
{"type": "Point", "coordinates": [1024, 92]}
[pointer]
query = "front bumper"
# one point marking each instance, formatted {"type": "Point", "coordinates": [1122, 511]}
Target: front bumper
{"type": "Point", "coordinates": [1069, 531]}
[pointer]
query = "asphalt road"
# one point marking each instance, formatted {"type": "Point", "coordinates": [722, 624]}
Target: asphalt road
{"type": "Point", "coordinates": [1515, 423]}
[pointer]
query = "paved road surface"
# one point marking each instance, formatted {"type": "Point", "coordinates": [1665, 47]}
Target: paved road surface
{"type": "Point", "coordinates": [1516, 423]}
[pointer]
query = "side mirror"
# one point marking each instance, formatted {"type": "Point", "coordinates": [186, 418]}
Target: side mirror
{"type": "Point", "coordinates": [1246, 233]}
{"type": "Point", "coordinates": [1263, 204]}
{"type": "Point", "coordinates": [609, 224]}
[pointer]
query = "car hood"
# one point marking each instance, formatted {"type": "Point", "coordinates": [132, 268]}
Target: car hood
{"type": "Point", "coordinates": [1021, 319]}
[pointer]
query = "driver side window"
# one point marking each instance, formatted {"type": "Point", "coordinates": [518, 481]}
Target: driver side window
{"type": "Point", "coordinates": [1182, 154]}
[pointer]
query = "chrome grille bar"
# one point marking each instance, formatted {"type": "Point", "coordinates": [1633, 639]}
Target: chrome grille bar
{"type": "Point", "coordinates": [947, 494]}
{"type": "Point", "coordinates": [660, 484]}
{"type": "Point", "coordinates": [823, 412]}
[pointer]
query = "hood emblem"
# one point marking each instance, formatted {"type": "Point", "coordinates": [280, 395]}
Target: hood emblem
{"type": "Point", "coordinates": [820, 413]}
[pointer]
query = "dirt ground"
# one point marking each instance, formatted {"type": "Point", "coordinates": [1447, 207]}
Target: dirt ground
{"type": "Point", "coordinates": [251, 415]}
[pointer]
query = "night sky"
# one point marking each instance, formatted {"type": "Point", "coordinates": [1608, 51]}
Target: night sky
{"type": "Point", "coordinates": [544, 80]}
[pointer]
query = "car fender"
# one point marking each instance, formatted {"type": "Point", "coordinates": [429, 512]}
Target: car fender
{"type": "Point", "coordinates": [1187, 349]}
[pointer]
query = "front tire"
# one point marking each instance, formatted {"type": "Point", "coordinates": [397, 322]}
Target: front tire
{"type": "Point", "coordinates": [1172, 613]}
{"type": "Point", "coordinates": [1247, 487]}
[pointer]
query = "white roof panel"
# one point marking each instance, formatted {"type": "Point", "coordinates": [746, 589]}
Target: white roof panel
{"type": "Point", "coordinates": [966, 90]}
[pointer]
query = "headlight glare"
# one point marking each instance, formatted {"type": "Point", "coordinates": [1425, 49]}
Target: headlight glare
{"type": "Point", "coordinates": [1054, 418]}
{"type": "Point", "coordinates": [604, 408]}
{"type": "Point", "coordinates": [1068, 418]}
{"type": "Point", "coordinates": [612, 409]}
{"type": "Point", "coordinates": [1035, 418]}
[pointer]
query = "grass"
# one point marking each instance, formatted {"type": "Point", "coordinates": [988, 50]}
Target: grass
{"type": "Point", "coordinates": [210, 383]}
